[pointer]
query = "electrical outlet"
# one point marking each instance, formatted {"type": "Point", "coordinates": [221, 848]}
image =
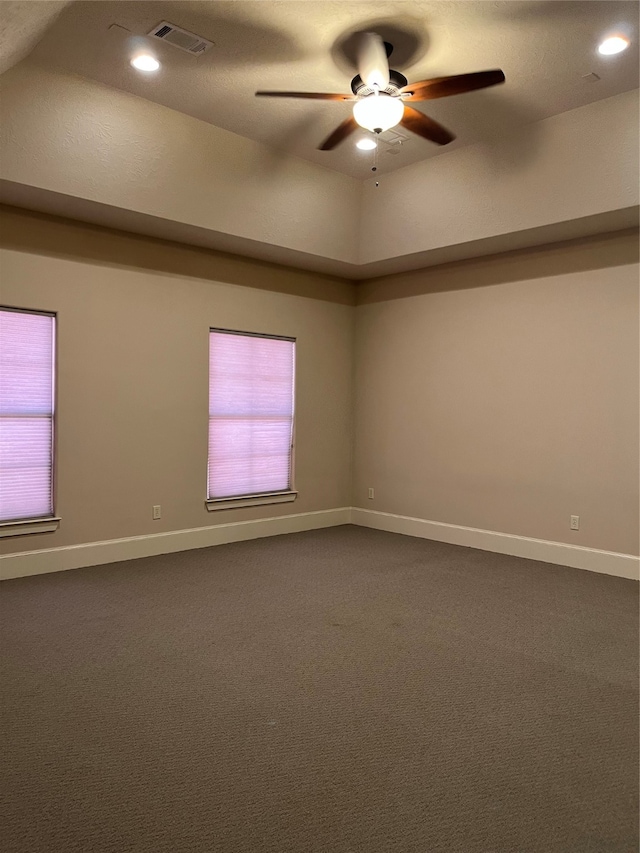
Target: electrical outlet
{"type": "Point", "coordinates": [575, 522]}
{"type": "Point", "coordinates": [157, 512]}
{"type": "Point", "coordinates": [371, 494]}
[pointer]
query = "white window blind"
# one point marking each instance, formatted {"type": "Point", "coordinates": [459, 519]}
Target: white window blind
{"type": "Point", "coordinates": [251, 401]}
{"type": "Point", "coordinates": [26, 415]}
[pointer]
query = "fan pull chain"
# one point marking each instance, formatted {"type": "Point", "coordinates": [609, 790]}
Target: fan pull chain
{"type": "Point", "coordinates": [374, 168]}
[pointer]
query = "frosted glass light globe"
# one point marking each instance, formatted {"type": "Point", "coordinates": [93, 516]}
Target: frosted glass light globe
{"type": "Point", "coordinates": [378, 112]}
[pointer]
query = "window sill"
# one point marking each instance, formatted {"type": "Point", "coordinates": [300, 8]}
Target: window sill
{"type": "Point", "coordinates": [213, 504]}
{"type": "Point", "coordinates": [28, 526]}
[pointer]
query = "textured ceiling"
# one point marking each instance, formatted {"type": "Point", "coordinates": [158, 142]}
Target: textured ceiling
{"type": "Point", "coordinates": [22, 25]}
{"type": "Point", "coordinates": [544, 48]}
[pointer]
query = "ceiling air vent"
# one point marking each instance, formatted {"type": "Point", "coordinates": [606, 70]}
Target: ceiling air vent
{"type": "Point", "coordinates": [392, 137]}
{"type": "Point", "coordinates": [183, 39]}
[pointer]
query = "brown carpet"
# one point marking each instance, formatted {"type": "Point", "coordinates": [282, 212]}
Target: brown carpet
{"type": "Point", "coordinates": [344, 690]}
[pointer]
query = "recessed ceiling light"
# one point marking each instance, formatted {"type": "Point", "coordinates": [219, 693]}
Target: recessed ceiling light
{"type": "Point", "coordinates": [614, 44]}
{"type": "Point", "coordinates": [145, 62]}
{"type": "Point", "coordinates": [366, 144]}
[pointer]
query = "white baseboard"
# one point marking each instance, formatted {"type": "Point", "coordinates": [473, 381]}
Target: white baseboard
{"type": "Point", "coordinates": [115, 550]}
{"type": "Point", "coordinates": [576, 556]}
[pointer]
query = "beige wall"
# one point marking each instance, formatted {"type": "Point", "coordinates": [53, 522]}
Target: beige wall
{"type": "Point", "coordinates": [133, 387]}
{"type": "Point", "coordinates": [500, 393]}
{"type": "Point", "coordinates": [27, 231]}
{"type": "Point", "coordinates": [507, 406]}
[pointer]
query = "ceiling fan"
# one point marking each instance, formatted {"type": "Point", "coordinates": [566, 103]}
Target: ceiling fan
{"type": "Point", "coordinates": [381, 96]}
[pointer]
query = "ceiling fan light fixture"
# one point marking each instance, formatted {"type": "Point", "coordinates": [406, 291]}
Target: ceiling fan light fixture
{"type": "Point", "coordinates": [378, 113]}
{"type": "Point", "coordinates": [613, 45]}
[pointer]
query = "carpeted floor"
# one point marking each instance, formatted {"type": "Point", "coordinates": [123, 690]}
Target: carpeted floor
{"type": "Point", "coordinates": [336, 691]}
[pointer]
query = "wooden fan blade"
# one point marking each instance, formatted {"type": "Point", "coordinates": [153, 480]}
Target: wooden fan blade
{"type": "Point", "coordinates": [315, 96]}
{"type": "Point", "coordinates": [339, 134]}
{"type": "Point", "coordinates": [442, 87]}
{"type": "Point", "coordinates": [426, 127]}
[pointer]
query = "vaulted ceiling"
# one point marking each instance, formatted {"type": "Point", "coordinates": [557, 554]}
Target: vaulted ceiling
{"type": "Point", "coordinates": [546, 49]}
{"type": "Point", "coordinates": [191, 154]}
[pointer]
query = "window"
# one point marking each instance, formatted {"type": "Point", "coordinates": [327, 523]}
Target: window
{"type": "Point", "coordinates": [251, 403]}
{"type": "Point", "coordinates": [27, 341]}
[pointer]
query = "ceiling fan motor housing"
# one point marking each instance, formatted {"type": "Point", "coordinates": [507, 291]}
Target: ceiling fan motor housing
{"type": "Point", "coordinates": [397, 81]}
